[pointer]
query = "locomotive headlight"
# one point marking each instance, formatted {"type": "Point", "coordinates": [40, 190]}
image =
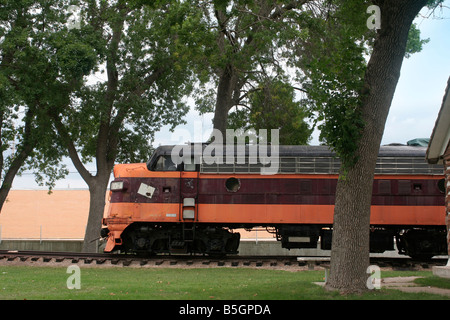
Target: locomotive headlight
{"type": "Point", "coordinates": [118, 185]}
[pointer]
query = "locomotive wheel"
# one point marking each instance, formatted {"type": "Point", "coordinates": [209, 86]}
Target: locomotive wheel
{"type": "Point", "coordinates": [153, 239]}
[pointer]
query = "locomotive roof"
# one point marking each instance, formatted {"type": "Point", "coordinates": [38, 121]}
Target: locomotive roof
{"type": "Point", "coordinates": [392, 159]}
{"type": "Point", "coordinates": [302, 150]}
{"type": "Point", "coordinates": [294, 151]}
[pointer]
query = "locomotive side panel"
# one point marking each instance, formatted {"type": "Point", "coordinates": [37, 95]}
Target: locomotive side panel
{"type": "Point", "coordinates": [279, 199]}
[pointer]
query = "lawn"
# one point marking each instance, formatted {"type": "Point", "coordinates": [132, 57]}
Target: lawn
{"type": "Point", "coordinates": [45, 283]}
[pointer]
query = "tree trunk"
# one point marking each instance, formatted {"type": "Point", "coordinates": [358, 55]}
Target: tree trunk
{"type": "Point", "coordinates": [97, 193]}
{"type": "Point", "coordinates": [24, 151]}
{"type": "Point", "coordinates": [15, 166]}
{"type": "Point", "coordinates": [350, 243]}
{"type": "Point", "coordinates": [227, 83]}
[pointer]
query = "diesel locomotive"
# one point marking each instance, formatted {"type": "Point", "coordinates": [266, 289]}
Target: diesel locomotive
{"type": "Point", "coordinates": [196, 205]}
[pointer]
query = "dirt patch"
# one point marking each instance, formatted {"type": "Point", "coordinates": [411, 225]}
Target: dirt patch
{"type": "Point", "coordinates": [406, 284]}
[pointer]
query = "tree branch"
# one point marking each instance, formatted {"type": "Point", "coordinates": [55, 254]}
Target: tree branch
{"type": "Point", "coordinates": [299, 89]}
{"type": "Point", "coordinates": [73, 154]}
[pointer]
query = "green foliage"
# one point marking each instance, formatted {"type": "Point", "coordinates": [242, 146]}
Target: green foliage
{"type": "Point", "coordinates": [249, 41]}
{"type": "Point", "coordinates": [333, 60]}
{"type": "Point", "coordinates": [139, 56]}
{"type": "Point", "coordinates": [29, 83]}
{"type": "Point", "coordinates": [333, 68]}
{"type": "Point", "coordinates": [273, 106]}
{"type": "Point", "coordinates": [415, 43]}
{"type": "Point", "coordinates": [150, 55]}
{"type": "Point", "coordinates": [141, 51]}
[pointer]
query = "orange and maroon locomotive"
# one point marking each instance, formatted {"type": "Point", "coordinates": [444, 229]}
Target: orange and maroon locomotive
{"type": "Point", "coordinates": [162, 206]}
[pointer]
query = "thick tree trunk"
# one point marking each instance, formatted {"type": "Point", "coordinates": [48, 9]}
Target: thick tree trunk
{"type": "Point", "coordinates": [97, 192]}
{"type": "Point", "coordinates": [227, 83]}
{"type": "Point", "coordinates": [15, 166]}
{"type": "Point", "coordinates": [24, 151]}
{"type": "Point", "coordinates": [350, 244]}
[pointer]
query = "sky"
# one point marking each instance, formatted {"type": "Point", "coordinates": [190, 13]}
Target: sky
{"type": "Point", "coordinates": [422, 83]}
{"type": "Point", "coordinates": [414, 110]}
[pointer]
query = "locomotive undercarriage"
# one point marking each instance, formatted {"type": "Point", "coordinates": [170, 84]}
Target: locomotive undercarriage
{"type": "Point", "coordinates": [417, 242]}
{"type": "Point", "coordinates": [422, 243]}
{"type": "Point", "coordinates": [146, 238]}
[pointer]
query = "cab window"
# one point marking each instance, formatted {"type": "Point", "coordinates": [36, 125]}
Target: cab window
{"type": "Point", "coordinates": [164, 163]}
{"type": "Point", "coordinates": [189, 167]}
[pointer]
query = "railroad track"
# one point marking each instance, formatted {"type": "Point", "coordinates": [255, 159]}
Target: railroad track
{"type": "Point", "coordinates": [122, 260]}
{"type": "Point", "coordinates": [293, 263]}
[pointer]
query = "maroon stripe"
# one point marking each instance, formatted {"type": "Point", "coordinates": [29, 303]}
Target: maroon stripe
{"type": "Point", "coordinates": [414, 192]}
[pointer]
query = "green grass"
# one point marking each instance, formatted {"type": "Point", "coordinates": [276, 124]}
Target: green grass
{"type": "Point", "coordinates": [434, 281]}
{"type": "Point", "coordinates": [186, 284]}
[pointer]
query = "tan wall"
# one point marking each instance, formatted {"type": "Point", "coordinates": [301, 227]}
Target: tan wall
{"type": "Point", "coordinates": [62, 214]}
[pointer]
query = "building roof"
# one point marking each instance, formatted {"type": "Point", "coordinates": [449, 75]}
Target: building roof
{"type": "Point", "coordinates": [440, 137]}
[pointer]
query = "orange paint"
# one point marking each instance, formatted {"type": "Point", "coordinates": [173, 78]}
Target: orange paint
{"type": "Point", "coordinates": [407, 215]}
{"type": "Point", "coordinates": [274, 214]}
{"type": "Point", "coordinates": [265, 214]}
{"type": "Point", "coordinates": [136, 212]}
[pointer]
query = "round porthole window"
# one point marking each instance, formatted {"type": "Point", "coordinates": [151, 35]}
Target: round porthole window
{"type": "Point", "coordinates": [233, 184]}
